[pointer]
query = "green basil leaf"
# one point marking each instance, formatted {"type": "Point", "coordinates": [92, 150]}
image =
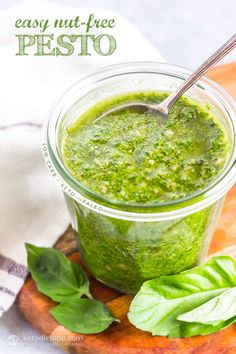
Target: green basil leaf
{"type": "Point", "coordinates": [55, 275]}
{"type": "Point", "coordinates": [160, 301]}
{"type": "Point", "coordinates": [83, 316]}
{"type": "Point", "coordinates": [221, 308]}
{"type": "Point", "coordinates": [195, 329]}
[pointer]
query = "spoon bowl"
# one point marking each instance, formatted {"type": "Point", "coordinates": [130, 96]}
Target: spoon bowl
{"type": "Point", "coordinates": [142, 107]}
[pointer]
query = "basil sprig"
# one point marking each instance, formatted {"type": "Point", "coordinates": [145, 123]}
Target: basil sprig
{"type": "Point", "coordinates": [66, 282]}
{"type": "Point", "coordinates": [55, 275]}
{"type": "Point", "coordinates": [165, 306]}
{"type": "Point", "coordinates": [83, 316]}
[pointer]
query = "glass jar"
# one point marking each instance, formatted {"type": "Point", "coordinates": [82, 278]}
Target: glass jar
{"type": "Point", "coordinates": [125, 244]}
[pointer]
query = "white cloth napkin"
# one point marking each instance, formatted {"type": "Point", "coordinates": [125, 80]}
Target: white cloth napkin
{"type": "Point", "coordinates": [31, 206]}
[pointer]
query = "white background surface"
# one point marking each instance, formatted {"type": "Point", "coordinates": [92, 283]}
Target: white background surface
{"type": "Point", "coordinates": [185, 32]}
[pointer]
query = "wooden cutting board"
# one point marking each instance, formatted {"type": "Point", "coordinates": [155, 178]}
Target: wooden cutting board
{"type": "Point", "coordinates": [123, 338]}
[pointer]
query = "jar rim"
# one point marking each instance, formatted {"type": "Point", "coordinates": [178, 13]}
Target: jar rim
{"type": "Point", "coordinates": [170, 209]}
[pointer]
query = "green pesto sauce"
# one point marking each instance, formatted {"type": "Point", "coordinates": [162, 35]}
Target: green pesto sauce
{"type": "Point", "coordinates": [131, 156]}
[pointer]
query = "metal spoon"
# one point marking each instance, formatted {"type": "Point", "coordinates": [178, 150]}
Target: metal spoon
{"type": "Point", "coordinates": [164, 107]}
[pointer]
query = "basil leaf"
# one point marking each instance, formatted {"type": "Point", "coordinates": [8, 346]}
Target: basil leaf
{"type": "Point", "coordinates": [160, 301]}
{"type": "Point", "coordinates": [55, 275]}
{"type": "Point", "coordinates": [83, 316]}
{"type": "Point", "coordinates": [221, 308]}
{"type": "Point", "coordinates": [195, 329]}
{"type": "Point", "coordinates": [214, 315]}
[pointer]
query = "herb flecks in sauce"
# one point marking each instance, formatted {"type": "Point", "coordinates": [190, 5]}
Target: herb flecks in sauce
{"type": "Point", "coordinates": [131, 156]}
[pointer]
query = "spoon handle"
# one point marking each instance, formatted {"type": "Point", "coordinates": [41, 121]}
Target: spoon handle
{"type": "Point", "coordinates": [198, 73]}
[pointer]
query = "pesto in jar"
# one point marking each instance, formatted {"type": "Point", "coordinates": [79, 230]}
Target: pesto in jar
{"type": "Point", "coordinates": [133, 157]}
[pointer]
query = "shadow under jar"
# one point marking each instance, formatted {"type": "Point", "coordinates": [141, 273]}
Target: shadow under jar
{"type": "Point", "coordinates": [123, 243]}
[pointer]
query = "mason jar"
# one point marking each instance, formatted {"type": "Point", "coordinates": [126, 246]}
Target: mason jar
{"type": "Point", "coordinates": [125, 244]}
